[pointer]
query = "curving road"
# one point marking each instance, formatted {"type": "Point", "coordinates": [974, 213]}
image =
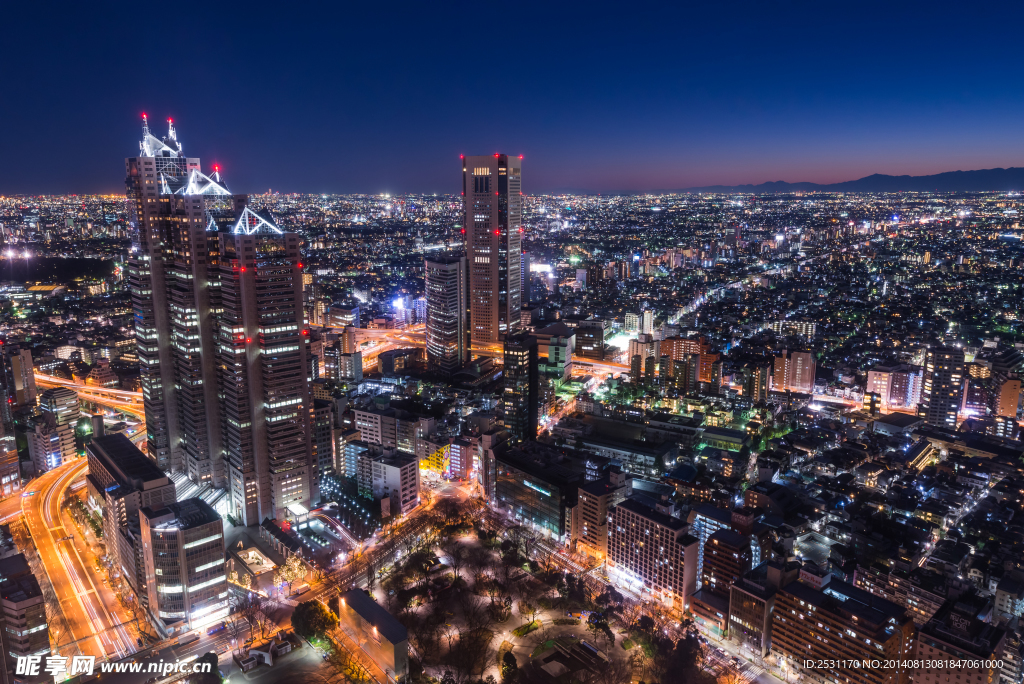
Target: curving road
{"type": "Point", "coordinates": [97, 630]}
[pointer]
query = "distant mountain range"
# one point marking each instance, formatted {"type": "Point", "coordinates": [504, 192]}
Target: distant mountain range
{"type": "Point", "coordinates": [950, 181]}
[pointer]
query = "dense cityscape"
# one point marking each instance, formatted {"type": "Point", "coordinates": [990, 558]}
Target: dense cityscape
{"type": "Point", "coordinates": [494, 436]}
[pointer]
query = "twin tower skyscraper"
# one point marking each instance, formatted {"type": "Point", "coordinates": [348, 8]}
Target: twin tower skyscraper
{"type": "Point", "coordinates": [224, 357]}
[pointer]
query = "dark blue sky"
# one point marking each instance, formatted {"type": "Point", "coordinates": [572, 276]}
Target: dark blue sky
{"type": "Point", "coordinates": [627, 96]}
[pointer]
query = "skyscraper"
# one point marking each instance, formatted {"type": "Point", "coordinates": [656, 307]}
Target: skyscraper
{"type": "Point", "coordinates": [447, 340]}
{"type": "Point", "coordinates": [264, 376]}
{"type": "Point", "coordinates": [943, 386]}
{"type": "Point", "coordinates": [223, 347]}
{"type": "Point", "coordinates": [521, 387]}
{"type": "Point", "coordinates": [160, 169]}
{"type": "Point", "coordinates": [492, 203]}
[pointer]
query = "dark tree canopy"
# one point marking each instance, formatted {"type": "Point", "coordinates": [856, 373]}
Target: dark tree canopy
{"type": "Point", "coordinates": [311, 618]}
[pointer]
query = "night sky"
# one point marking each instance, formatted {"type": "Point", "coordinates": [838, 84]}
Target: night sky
{"type": "Point", "coordinates": [600, 97]}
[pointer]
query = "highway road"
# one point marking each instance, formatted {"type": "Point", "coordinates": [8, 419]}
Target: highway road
{"type": "Point", "coordinates": [120, 401]}
{"type": "Point", "coordinates": [98, 630]}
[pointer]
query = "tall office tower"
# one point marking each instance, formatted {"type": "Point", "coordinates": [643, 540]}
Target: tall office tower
{"type": "Point", "coordinates": [795, 371]}
{"type": "Point", "coordinates": [521, 387]}
{"type": "Point", "coordinates": [223, 349]}
{"type": "Point", "coordinates": [160, 169]}
{"type": "Point", "coordinates": [264, 382]}
{"type": "Point", "coordinates": [943, 386]}
{"type": "Point", "coordinates": [186, 581]}
{"type": "Point", "coordinates": [176, 212]}
{"type": "Point", "coordinates": [492, 202]}
{"type": "Point", "coordinates": [525, 268]}
{"type": "Point", "coordinates": [446, 280]}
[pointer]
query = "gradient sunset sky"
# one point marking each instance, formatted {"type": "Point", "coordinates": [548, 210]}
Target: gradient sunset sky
{"type": "Point", "coordinates": [601, 97]}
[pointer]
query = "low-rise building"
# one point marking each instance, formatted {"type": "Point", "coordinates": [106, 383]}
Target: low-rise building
{"type": "Point", "coordinates": [377, 632]}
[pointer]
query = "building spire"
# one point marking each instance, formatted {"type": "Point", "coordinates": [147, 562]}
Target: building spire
{"type": "Point", "coordinates": [170, 129]}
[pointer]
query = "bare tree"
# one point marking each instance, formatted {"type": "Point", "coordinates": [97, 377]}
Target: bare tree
{"type": "Point", "coordinates": [456, 554]}
{"type": "Point", "coordinates": [251, 608]}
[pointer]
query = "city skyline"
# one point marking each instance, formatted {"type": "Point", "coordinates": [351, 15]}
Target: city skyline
{"type": "Point", "coordinates": [647, 414]}
{"type": "Point", "coordinates": [605, 101]}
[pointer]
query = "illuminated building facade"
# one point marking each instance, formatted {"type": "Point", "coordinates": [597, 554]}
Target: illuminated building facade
{"type": "Point", "coordinates": [520, 397]}
{"type": "Point", "coordinates": [536, 491]}
{"type": "Point", "coordinates": [186, 579]}
{"type": "Point", "coordinates": [943, 387]}
{"type": "Point", "coordinates": [264, 371]}
{"type": "Point", "coordinates": [823, 619]}
{"type": "Point", "coordinates": [447, 334]}
{"type": "Point", "coordinates": [652, 551]}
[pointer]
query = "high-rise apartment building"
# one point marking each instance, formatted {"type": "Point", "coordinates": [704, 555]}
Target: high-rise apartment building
{"type": "Point", "coordinates": [492, 203]}
{"type": "Point", "coordinates": [943, 388]}
{"type": "Point", "coordinates": [960, 631]}
{"type": "Point", "coordinates": [631, 323]}
{"type": "Point", "coordinates": [823, 620]}
{"type": "Point", "coordinates": [19, 378]}
{"type": "Point", "coordinates": [186, 580]}
{"type": "Point", "coordinates": [447, 335]}
{"type": "Point", "coordinates": [647, 322]}
{"type": "Point", "coordinates": [590, 516]}
{"type": "Point", "coordinates": [217, 290]}
{"type": "Point", "coordinates": [1008, 398]}
{"type": "Point", "coordinates": [322, 423]}
{"type": "Point", "coordinates": [521, 394]}
{"type": "Point", "coordinates": [795, 371]}
{"type": "Point", "coordinates": [680, 348]}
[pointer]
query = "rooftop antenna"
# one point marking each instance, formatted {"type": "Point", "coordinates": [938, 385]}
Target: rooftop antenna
{"type": "Point", "coordinates": [170, 129]}
{"type": "Point", "coordinates": [145, 133]}
{"type": "Point", "coordinates": [216, 172]}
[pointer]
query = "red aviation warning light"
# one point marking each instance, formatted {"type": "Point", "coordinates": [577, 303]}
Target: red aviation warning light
{"type": "Point", "coordinates": [248, 340]}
